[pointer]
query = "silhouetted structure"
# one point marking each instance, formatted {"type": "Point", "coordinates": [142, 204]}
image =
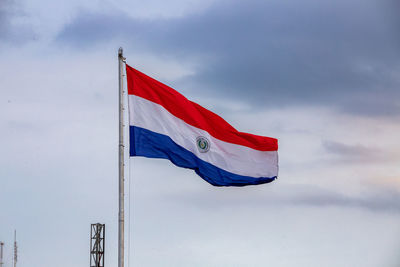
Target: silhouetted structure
{"type": "Point", "coordinates": [97, 234]}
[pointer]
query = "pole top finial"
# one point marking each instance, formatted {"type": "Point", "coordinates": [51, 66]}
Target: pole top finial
{"type": "Point", "coordinates": [120, 54]}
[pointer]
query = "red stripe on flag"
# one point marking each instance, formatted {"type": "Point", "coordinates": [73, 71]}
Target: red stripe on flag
{"type": "Point", "coordinates": [148, 88]}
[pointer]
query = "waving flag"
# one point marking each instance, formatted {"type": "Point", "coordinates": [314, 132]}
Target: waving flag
{"type": "Point", "coordinates": [165, 124]}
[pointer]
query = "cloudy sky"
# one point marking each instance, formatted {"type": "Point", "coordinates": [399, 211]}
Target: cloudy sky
{"type": "Point", "coordinates": [321, 76]}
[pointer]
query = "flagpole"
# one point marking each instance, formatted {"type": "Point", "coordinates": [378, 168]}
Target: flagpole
{"type": "Point", "coordinates": [121, 215]}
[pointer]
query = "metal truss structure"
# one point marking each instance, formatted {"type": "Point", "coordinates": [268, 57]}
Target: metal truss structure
{"type": "Point", "coordinates": [97, 235]}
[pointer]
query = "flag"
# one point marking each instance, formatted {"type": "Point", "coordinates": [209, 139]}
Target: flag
{"type": "Point", "coordinates": [165, 124]}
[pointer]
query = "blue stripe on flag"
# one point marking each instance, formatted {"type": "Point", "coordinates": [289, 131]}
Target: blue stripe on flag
{"type": "Point", "coordinates": [154, 145]}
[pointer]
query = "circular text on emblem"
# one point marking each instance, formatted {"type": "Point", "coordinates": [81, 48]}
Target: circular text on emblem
{"type": "Point", "coordinates": [202, 144]}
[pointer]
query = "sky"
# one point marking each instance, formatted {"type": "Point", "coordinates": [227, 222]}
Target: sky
{"type": "Point", "coordinates": [321, 76]}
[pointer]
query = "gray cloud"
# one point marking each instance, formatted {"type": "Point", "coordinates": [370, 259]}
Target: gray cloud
{"type": "Point", "coordinates": [354, 153]}
{"type": "Point", "coordinates": [357, 153]}
{"type": "Point", "coordinates": [349, 150]}
{"type": "Point", "coordinates": [11, 32]}
{"type": "Point", "coordinates": [343, 55]}
{"type": "Point", "coordinates": [381, 199]}
{"type": "Point", "coordinates": [4, 16]}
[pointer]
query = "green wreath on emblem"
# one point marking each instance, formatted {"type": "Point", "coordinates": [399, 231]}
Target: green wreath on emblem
{"type": "Point", "coordinates": [202, 144]}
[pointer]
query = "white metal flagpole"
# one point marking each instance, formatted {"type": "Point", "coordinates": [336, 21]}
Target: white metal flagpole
{"type": "Point", "coordinates": [121, 214]}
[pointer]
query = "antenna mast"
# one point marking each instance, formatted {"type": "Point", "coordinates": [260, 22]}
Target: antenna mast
{"type": "Point", "coordinates": [15, 248]}
{"type": "Point", "coordinates": [1, 253]}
